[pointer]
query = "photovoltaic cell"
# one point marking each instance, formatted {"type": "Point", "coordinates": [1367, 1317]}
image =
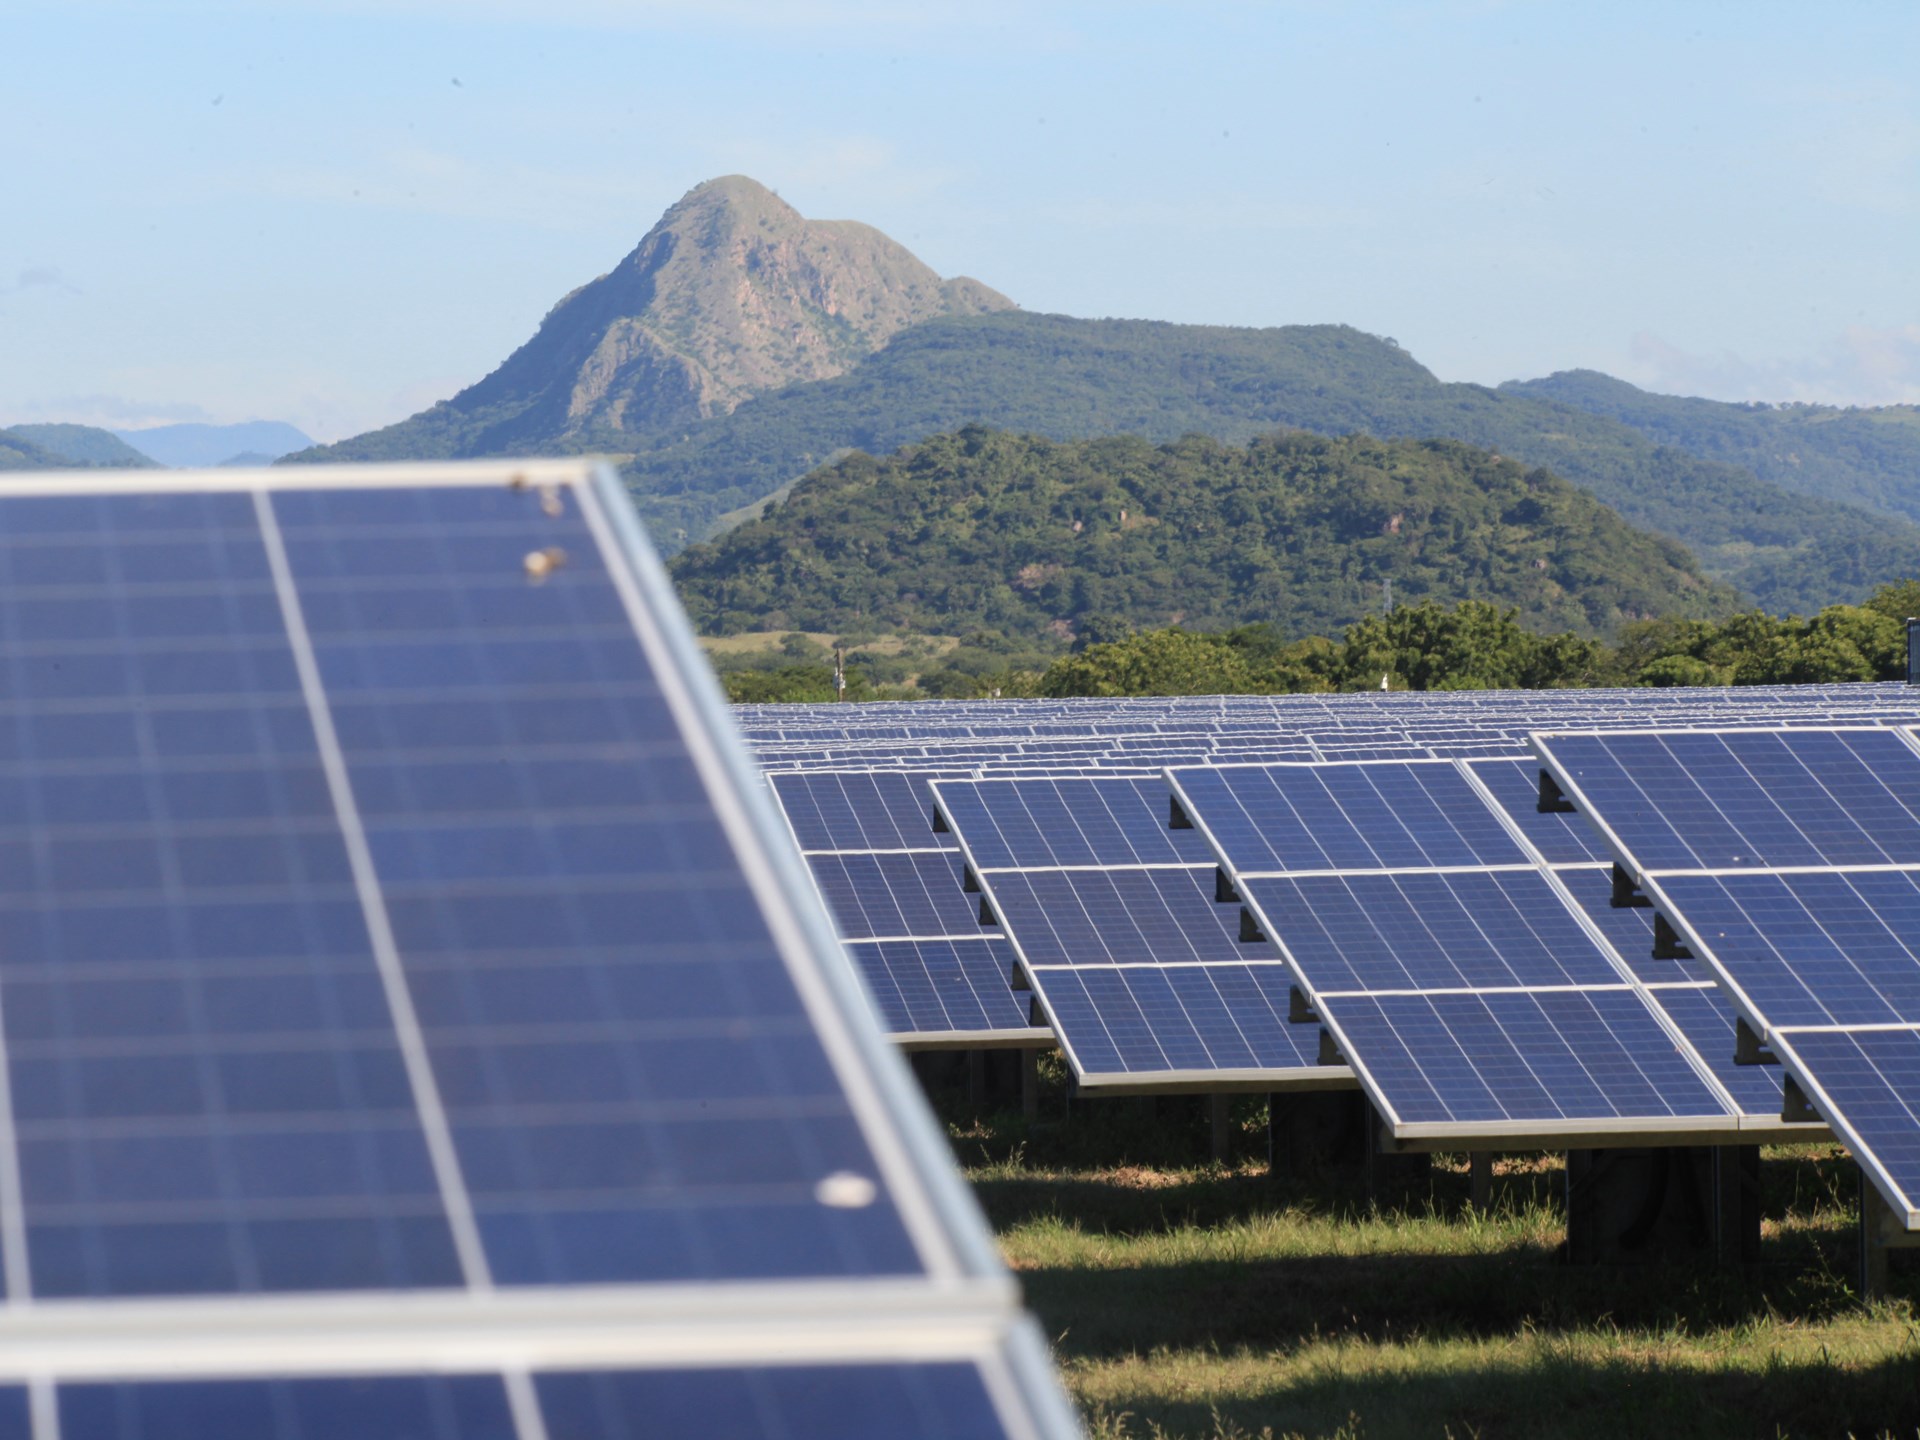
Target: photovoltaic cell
{"type": "Point", "coordinates": [1705, 1017]}
{"type": "Point", "coordinates": [879, 864]}
{"type": "Point", "coordinates": [938, 1401]}
{"type": "Point", "coordinates": [1142, 1021]}
{"type": "Point", "coordinates": [1560, 838]}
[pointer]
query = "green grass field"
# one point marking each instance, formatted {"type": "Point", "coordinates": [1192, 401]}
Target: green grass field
{"type": "Point", "coordinates": [1205, 1301]}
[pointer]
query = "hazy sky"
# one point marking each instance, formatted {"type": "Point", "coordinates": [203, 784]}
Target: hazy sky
{"type": "Point", "coordinates": [336, 213]}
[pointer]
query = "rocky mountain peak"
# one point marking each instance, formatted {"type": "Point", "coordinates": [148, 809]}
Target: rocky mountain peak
{"type": "Point", "coordinates": [732, 293]}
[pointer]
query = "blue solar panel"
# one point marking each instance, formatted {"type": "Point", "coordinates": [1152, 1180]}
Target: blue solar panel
{"type": "Point", "coordinates": [1716, 800]}
{"type": "Point", "coordinates": [942, 987]}
{"type": "Point", "coordinates": [840, 1402]}
{"type": "Point", "coordinates": [1179, 1003]}
{"type": "Point", "coordinates": [893, 896]}
{"type": "Point", "coordinates": [1142, 1020]}
{"type": "Point", "coordinates": [1024, 824]}
{"type": "Point", "coordinates": [1525, 1057]}
{"type": "Point", "coordinates": [1282, 818]}
{"type": "Point", "coordinates": [1772, 854]}
{"type": "Point", "coordinates": [859, 810]}
{"type": "Point", "coordinates": [937, 1401]}
{"type": "Point", "coordinates": [1706, 1018]}
{"type": "Point", "coordinates": [1470, 930]}
{"type": "Point", "coordinates": [1870, 1079]}
{"type": "Point", "coordinates": [1119, 917]}
{"type": "Point", "coordinates": [451, 1407]}
{"type": "Point", "coordinates": [1560, 838]}
{"type": "Point", "coordinates": [1470, 997]}
{"type": "Point", "coordinates": [381, 909]}
{"type": "Point", "coordinates": [1821, 948]}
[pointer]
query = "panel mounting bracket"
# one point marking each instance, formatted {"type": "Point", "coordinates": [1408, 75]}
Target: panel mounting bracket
{"type": "Point", "coordinates": [1748, 1048]}
{"type": "Point", "coordinates": [1667, 944]}
{"type": "Point", "coordinates": [1553, 800]}
{"type": "Point", "coordinates": [1794, 1108]}
{"type": "Point", "coordinates": [1626, 894]}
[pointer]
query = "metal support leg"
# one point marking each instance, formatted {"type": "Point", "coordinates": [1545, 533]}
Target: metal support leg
{"type": "Point", "coordinates": [1736, 1183]}
{"type": "Point", "coordinates": [1480, 1179]}
{"type": "Point", "coordinates": [1220, 1126]}
{"type": "Point", "coordinates": [977, 1079]}
{"type": "Point", "coordinates": [1030, 1085]}
{"type": "Point", "coordinates": [1877, 1227]}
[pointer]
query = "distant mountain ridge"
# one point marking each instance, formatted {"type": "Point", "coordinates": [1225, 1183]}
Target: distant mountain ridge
{"type": "Point", "coordinates": [1864, 455]}
{"type": "Point", "coordinates": [731, 295]}
{"type": "Point", "coordinates": [196, 446]}
{"type": "Point", "coordinates": [740, 346]}
{"type": "Point", "coordinates": [1071, 379]}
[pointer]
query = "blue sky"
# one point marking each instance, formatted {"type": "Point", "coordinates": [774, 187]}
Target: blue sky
{"type": "Point", "coordinates": [336, 213]}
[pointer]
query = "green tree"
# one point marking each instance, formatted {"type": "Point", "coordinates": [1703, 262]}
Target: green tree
{"type": "Point", "coordinates": [1154, 662]}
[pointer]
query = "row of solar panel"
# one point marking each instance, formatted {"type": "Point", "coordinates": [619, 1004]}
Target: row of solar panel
{"type": "Point", "coordinates": [1788, 862]}
{"type": "Point", "coordinates": [1147, 982]}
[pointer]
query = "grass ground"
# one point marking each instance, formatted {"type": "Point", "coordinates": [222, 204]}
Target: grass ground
{"type": "Point", "coordinates": [1220, 1302]}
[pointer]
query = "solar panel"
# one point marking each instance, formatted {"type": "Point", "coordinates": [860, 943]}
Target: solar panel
{"type": "Point", "coordinates": [1139, 969]}
{"type": "Point", "coordinates": [1788, 861]}
{"type": "Point", "coordinates": [1458, 977]}
{"type": "Point", "coordinates": [893, 883]}
{"type": "Point", "coordinates": [859, 810]}
{"type": "Point", "coordinates": [389, 915]}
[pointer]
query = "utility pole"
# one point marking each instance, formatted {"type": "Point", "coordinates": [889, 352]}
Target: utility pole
{"type": "Point", "coordinates": [839, 673]}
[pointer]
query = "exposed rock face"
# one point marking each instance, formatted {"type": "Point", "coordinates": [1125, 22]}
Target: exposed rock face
{"type": "Point", "coordinates": [732, 294]}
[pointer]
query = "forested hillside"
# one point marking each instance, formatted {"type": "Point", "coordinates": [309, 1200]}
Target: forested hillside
{"type": "Point", "coordinates": [19, 453]}
{"type": "Point", "coordinates": [83, 445]}
{"type": "Point", "coordinates": [1071, 379]}
{"type": "Point", "coordinates": [1026, 536]}
{"type": "Point", "coordinates": [1865, 456]}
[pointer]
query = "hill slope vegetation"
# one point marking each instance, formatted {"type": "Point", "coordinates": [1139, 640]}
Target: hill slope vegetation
{"type": "Point", "coordinates": [1072, 379]}
{"type": "Point", "coordinates": [1027, 536]}
{"type": "Point", "coordinates": [83, 445]}
{"type": "Point", "coordinates": [1863, 456]}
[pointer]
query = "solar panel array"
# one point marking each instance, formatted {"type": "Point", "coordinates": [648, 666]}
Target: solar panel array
{"type": "Point", "coordinates": [1139, 736]}
{"type": "Point", "coordinates": [1112, 915]}
{"type": "Point", "coordinates": [413, 1022]}
{"type": "Point", "coordinates": [893, 883]}
{"type": "Point", "coordinates": [1470, 989]}
{"type": "Point", "coordinates": [1788, 862]}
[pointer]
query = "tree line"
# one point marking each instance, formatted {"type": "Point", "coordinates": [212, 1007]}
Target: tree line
{"type": "Point", "coordinates": [1427, 645]}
